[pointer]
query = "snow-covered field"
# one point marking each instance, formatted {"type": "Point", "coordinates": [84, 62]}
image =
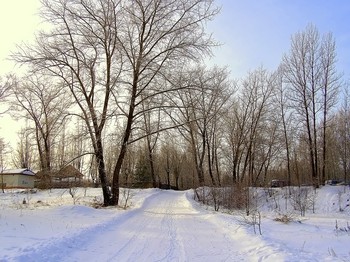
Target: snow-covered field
{"type": "Point", "coordinates": [170, 226]}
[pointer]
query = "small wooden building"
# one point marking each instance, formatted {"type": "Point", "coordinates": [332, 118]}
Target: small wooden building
{"type": "Point", "coordinates": [17, 178]}
{"type": "Point", "coordinates": [67, 176]}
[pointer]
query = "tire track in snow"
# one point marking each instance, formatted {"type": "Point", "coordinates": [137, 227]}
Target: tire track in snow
{"type": "Point", "coordinates": [156, 239]}
{"type": "Point", "coordinates": [175, 250]}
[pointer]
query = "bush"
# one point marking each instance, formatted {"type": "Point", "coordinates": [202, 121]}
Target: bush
{"type": "Point", "coordinates": [284, 218]}
{"type": "Point", "coordinates": [302, 199]}
{"type": "Point", "coordinates": [230, 198]}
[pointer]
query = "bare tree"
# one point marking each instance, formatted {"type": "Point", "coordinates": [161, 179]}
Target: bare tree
{"type": "Point", "coordinates": [300, 72]}
{"type": "Point", "coordinates": [117, 48]}
{"type": "Point", "coordinates": [236, 121]}
{"type": "Point", "coordinates": [72, 146]}
{"type": "Point", "coordinates": [81, 50]}
{"type": "Point", "coordinates": [342, 135]}
{"type": "Point", "coordinates": [286, 115]}
{"type": "Point", "coordinates": [222, 90]}
{"type": "Point", "coordinates": [155, 37]}
{"type": "Point", "coordinates": [253, 143]}
{"type": "Point", "coordinates": [152, 124]}
{"type": "Point", "coordinates": [177, 160]}
{"type": "Point", "coordinates": [187, 100]}
{"type": "Point", "coordinates": [170, 159]}
{"type": "Point", "coordinates": [309, 70]}
{"type": "Point", "coordinates": [45, 104]}
{"type": "Point", "coordinates": [330, 82]}
{"type": "Point", "coordinates": [24, 155]}
{"type": "Point", "coordinates": [200, 107]}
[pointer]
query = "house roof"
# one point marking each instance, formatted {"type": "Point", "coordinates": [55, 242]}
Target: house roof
{"type": "Point", "coordinates": [68, 171]}
{"type": "Point", "coordinates": [22, 171]}
{"type": "Point", "coordinates": [65, 172]}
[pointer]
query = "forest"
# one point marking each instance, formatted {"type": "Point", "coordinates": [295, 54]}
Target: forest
{"type": "Point", "coordinates": [121, 91]}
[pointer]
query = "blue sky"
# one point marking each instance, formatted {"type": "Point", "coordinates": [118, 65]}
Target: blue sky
{"type": "Point", "coordinates": [254, 33]}
{"type": "Point", "coordinates": [257, 32]}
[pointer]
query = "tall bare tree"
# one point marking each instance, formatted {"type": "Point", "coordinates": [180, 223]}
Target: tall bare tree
{"type": "Point", "coordinates": [342, 135]}
{"type": "Point", "coordinates": [236, 122]}
{"type": "Point", "coordinates": [45, 105]}
{"type": "Point", "coordinates": [286, 116]}
{"type": "Point", "coordinates": [151, 120]}
{"type": "Point", "coordinates": [24, 155]}
{"type": "Point", "coordinates": [250, 128]}
{"type": "Point", "coordinates": [155, 37]}
{"type": "Point", "coordinates": [257, 92]}
{"type": "Point", "coordinates": [93, 43]}
{"type": "Point", "coordinates": [81, 49]}
{"type": "Point", "coordinates": [309, 70]}
{"type": "Point", "coordinates": [330, 83]}
{"type": "Point", "coordinates": [200, 107]}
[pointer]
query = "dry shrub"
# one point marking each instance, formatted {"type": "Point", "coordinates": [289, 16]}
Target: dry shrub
{"type": "Point", "coordinates": [284, 218]}
{"type": "Point", "coordinates": [303, 199]}
{"type": "Point", "coordinates": [234, 197]}
{"type": "Point", "coordinates": [230, 198]}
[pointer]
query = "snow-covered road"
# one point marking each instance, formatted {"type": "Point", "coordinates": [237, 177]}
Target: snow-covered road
{"type": "Point", "coordinates": [168, 226]}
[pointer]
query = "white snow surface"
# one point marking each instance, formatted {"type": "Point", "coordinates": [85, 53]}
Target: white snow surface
{"type": "Point", "coordinates": [168, 226]}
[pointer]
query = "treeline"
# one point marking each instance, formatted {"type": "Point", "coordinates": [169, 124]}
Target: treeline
{"type": "Point", "coordinates": [119, 90]}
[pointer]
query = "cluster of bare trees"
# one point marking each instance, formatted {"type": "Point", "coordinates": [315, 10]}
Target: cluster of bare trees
{"type": "Point", "coordinates": [310, 73]}
{"type": "Point", "coordinates": [119, 89]}
{"type": "Point", "coordinates": [116, 59]}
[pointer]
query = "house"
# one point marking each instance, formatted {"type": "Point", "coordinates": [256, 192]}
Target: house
{"type": "Point", "coordinates": [17, 178]}
{"type": "Point", "coordinates": [65, 177]}
{"type": "Point", "coordinates": [67, 174]}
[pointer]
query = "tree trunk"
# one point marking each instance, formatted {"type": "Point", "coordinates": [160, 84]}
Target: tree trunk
{"type": "Point", "coordinates": [123, 149]}
{"type": "Point", "coordinates": [210, 166]}
{"type": "Point", "coordinates": [102, 173]}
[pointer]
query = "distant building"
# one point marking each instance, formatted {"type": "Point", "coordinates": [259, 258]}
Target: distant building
{"type": "Point", "coordinates": [332, 182]}
{"type": "Point", "coordinates": [17, 178]}
{"type": "Point", "coordinates": [67, 176]}
{"type": "Point", "coordinates": [278, 183]}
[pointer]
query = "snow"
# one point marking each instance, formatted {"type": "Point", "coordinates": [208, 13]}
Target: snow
{"type": "Point", "coordinates": [169, 225]}
{"type": "Point", "coordinates": [23, 171]}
